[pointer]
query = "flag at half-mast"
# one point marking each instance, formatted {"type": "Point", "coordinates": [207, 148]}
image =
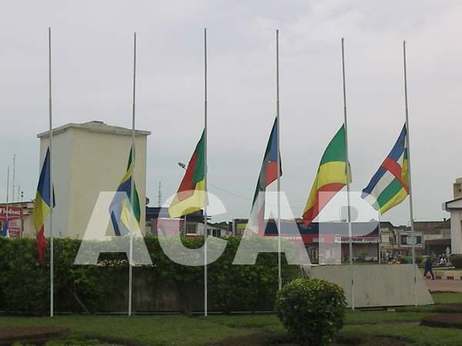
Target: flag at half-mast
{"type": "Point", "coordinates": [125, 208]}
{"type": "Point", "coordinates": [330, 178]}
{"type": "Point", "coordinates": [191, 194]}
{"type": "Point", "coordinates": [42, 207]}
{"type": "Point", "coordinates": [390, 184]}
{"type": "Point", "coordinates": [268, 174]}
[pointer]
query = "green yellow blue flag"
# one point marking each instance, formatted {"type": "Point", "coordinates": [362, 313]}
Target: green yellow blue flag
{"type": "Point", "coordinates": [124, 203]}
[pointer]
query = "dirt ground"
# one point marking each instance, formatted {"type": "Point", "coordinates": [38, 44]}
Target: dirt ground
{"type": "Point", "coordinates": [36, 335]}
{"type": "Point", "coordinates": [258, 339]}
{"type": "Point", "coordinates": [447, 320]}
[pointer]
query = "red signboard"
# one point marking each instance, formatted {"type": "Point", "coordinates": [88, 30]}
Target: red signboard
{"type": "Point", "coordinates": [14, 218]}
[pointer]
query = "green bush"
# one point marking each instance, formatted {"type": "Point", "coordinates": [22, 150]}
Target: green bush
{"type": "Point", "coordinates": [456, 261]}
{"type": "Point", "coordinates": [405, 260]}
{"type": "Point", "coordinates": [24, 284]}
{"type": "Point", "coordinates": [312, 310]}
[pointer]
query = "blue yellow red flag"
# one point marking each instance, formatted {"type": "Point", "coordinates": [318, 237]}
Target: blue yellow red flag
{"type": "Point", "coordinates": [42, 207]}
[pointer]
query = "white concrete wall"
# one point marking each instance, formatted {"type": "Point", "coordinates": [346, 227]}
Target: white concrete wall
{"type": "Point", "coordinates": [376, 285]}
{"type": "Point", "coordinates": [85, 164]}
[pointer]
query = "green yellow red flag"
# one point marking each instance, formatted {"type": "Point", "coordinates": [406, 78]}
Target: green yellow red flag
{"type": "Point", "coordinates": [191, 193]}
{"type": "Point", "coordinates": [330, 178]}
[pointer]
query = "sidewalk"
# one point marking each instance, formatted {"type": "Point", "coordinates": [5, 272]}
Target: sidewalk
{"type": "Point", "coordinates": [444, 285]}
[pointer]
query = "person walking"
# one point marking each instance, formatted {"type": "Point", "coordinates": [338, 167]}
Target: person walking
{"type": "Point", "coordinates": [428, 267]}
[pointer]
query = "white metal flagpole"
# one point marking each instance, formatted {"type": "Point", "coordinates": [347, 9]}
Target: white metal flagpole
{"type": "Point", "coordinates": [380, 241]}
{"type": "Point", "coordinates": [348, 175]}
{"type": "Point", "coordinates": [411, 204]}
{"type": "Point", "coordinates": [7, 211]}
{"type": "Point", "coordinates": [205, 178]}
{"type": "Point", "coordinates": [132, 187]}
{"type": "Point", "coordinates": [13, 185]}
{"type": "Point", "coordinates": [278, 163]}
{"type": "Point", "coordinates": [50, 110]}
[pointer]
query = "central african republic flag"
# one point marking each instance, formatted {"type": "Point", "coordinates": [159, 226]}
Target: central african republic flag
{"type": "Point", "coordinates": [390, 184]}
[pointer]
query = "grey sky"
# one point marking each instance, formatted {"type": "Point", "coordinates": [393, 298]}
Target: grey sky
{"type": "Point", "coordinates": [92, 71]}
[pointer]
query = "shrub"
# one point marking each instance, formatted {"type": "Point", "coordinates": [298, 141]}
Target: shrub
{"type": "Point", "coordinates": [456, 261]}
{"type": "Point", "coordinates": [405, 260]}
{"type": "Point", "coordinates": [312, 310]}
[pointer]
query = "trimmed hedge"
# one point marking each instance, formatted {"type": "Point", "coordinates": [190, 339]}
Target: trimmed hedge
{"type": "Point", "coordinates": [312, 310]}
{"type": "Point", "coordinates": [456, 260]}
{"type": "Point", "coordinates": [24, 284]}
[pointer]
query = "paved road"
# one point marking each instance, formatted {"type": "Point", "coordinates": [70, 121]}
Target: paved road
{"type": "Point", "coordinates": [444, 285]}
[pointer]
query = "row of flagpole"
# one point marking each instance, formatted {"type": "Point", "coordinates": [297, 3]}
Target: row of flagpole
{"type": "Point", "coordinates": [348, 172]}
{"type": "Point", "coordinates": [348, 175]}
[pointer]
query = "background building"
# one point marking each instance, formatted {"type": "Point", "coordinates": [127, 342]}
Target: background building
{"type": "Point", "coordinates": [19, 219]}
{"type": "Point", "coordinates": [454, 207]}
{"type": "Point", "coordinates": [191, 225]}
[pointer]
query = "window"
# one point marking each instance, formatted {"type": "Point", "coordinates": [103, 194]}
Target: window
{"type": "Point", "coordinates": [404, 239]}
{"type": "Point", "coordinates": [191, 228]}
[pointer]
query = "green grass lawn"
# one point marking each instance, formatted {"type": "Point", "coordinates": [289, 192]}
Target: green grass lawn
{"type": "Point", "coordinates": [223, 329]}
{"type": "Point", "coordinates": [447, 298]}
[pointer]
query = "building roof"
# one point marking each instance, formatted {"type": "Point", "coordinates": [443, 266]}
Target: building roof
{"type": "Point", "coordinates": [97, 127]}
{"type": "Point", "coordinates": [436, 242]}
{"type": "Point", "coordinates": [454, 204]}
{"type": "Point", "coordinates": [432, 226]}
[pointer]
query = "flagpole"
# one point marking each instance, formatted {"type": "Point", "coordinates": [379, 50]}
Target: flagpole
{"type": "Point", "coordinates": [205, 178]}
{"type": "Point", "coordinates": [14, 178]}
{"type": "Point", "coordinates": [50, 110]}
{"type": "Point", "coordinates": [380, 241]}
{"type": "Point", "coordinates": [278, 163]}
{"type": "Point", "coordinates": [411, 204]}
{"type": "Point", "coordinates": [350, 233]}
{"type": "Point", "coordinates": [7, 218]}
{"type": "Point", "coordinates": [132, 181]}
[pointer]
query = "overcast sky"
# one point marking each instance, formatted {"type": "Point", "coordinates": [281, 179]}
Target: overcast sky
{"type": "Point", "coordinates": [92, 81]}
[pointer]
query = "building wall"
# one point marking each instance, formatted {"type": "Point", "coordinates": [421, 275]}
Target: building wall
{"type": "Point", "coordinates": [456, 230]}
{"type": "Point", "coordinates": [85, 164]}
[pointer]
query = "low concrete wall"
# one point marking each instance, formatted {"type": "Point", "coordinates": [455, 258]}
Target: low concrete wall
{"type": "Point", "coordinates": [377, 285]}
{"type": "Point", "coordinates": [448, 274]}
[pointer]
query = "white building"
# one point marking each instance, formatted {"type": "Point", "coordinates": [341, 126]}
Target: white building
{"type": "Point", "coordinates": [455, 208]}
{"type": "Point", "coordinates": [89, 158]}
